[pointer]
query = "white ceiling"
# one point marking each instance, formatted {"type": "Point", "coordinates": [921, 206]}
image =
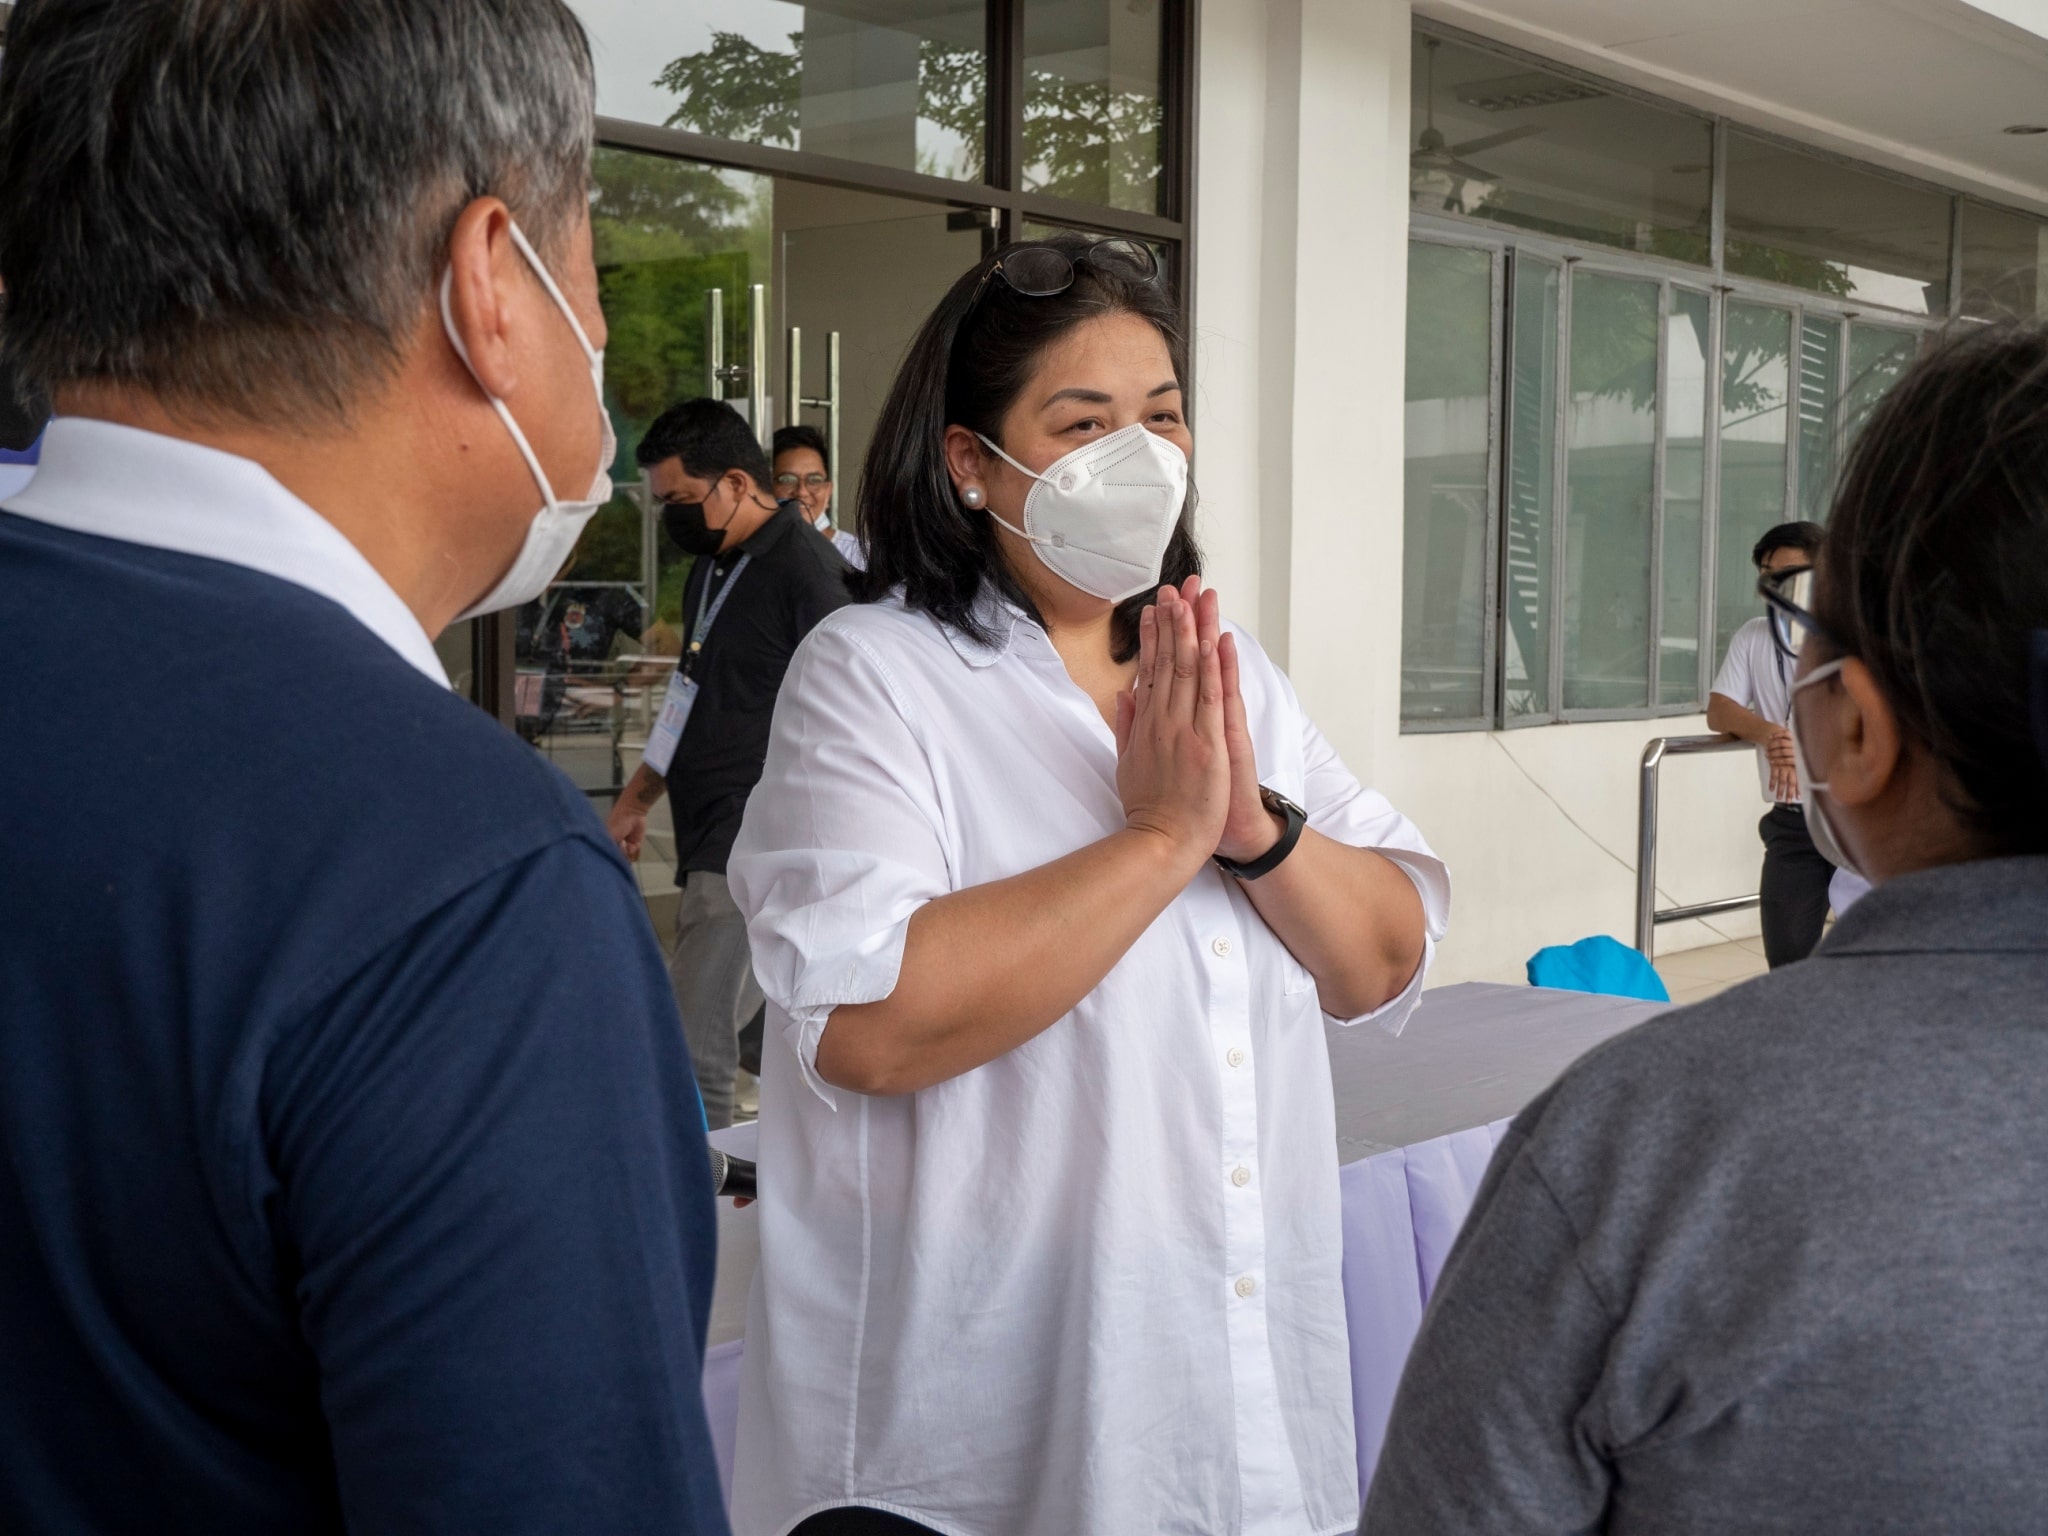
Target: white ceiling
{"type": "Point", "coordinates": [1923, 86]}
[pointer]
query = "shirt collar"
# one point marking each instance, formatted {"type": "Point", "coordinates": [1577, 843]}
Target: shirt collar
{"type": "Point", "coordinates": [995, 614]}
{"type": "Point", "coordinates": [119, 482]}
{"type": "Point", "coordinates": [1983, 906]}
{"type": "Point", "coordinates": [774, 528]}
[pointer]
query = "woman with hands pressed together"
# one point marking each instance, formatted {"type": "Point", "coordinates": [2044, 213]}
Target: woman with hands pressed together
{"type": "Point", "coordinates": [1050, 885]}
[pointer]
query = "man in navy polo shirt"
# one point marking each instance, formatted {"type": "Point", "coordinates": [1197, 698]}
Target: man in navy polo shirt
{"type": "Point", "coordinates": [351, 1170]}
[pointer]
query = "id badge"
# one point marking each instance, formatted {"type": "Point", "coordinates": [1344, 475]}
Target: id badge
{"type": "Point", "coordinates": [668, 725]}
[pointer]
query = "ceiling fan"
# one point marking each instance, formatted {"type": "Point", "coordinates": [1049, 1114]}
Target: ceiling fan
{"type": "Point", "coordinates": [1438, 169]}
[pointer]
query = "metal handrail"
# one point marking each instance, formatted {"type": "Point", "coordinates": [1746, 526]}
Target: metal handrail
{"type": "Point", "coordinates": [1647, 914]}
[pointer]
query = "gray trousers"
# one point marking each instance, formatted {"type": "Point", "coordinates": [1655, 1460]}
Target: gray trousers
{"type": "Point", "coordinates": [712, 972]}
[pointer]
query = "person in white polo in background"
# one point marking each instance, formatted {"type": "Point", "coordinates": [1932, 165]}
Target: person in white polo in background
{"type": "Point", "coordinates": [803, 474]}
{"type": "Point", "coordinates": [1050, 1238]}
{"type": "Point", "coordinates": [1752, 698]}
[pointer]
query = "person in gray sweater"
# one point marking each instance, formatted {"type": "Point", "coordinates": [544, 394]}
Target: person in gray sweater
{"type": "Point", "coordinates": [1779, 1262]}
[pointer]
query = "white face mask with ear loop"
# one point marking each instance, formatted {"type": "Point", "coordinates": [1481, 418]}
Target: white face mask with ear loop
{"type": "Point", "coordinates": [551, 536]}
{"type": "Point", "coordinates": [1818, 826]}
{"type": "Point", "coordinates": [1100, 518]}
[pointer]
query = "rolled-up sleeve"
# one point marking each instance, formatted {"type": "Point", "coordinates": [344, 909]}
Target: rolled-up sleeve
{"type": "Point", "coordinates": [841, 843]}
{"type": "Point", "coordinates": [1345, 811]}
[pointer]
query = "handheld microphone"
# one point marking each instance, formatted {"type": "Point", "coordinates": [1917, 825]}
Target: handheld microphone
{"type": "Point", "coordinates": [732, 1176]}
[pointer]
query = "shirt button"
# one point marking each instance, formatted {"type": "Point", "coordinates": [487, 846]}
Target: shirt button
{"type": "Point", "coordinates": [1240, 1177]}
{"type": "Point", "coordinates": [1221, 946]}
{"type": "Point", "coordinates": [1235, 1057]}
{"type": "Point", "coordinates": [1246, 1285]}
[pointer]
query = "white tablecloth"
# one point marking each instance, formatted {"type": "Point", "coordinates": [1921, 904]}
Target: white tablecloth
{"type": "Point", "coordinates": [1471, 1049]}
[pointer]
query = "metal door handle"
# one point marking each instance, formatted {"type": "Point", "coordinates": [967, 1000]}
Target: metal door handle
{"type": "Point", "coordinates": [829, 402]}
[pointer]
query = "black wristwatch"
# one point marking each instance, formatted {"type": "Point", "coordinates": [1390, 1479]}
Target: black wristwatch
{"type": "Point", "coordinates": [1295, 817]}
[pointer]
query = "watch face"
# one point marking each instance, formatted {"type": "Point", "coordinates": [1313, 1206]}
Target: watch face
{"type": "Point", "coordinates": [1279, 804]}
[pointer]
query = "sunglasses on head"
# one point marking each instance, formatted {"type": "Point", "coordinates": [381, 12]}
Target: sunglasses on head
{"type": "Point", "coordinates": [1040, 271]}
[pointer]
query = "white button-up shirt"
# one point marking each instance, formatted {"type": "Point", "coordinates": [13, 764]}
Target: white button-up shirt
{"type": "Point", "coordinates": [145, 488]}
{"type": "Point", "coordinates": [1093, 1287]}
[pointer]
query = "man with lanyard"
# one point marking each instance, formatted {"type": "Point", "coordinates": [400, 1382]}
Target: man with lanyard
{"type": "Point", "coordinates": [351, 1174]}
{"type": "Point", "coordinates": [1752, 699]}
{"type": "Point", "coordinates": [764, 576]}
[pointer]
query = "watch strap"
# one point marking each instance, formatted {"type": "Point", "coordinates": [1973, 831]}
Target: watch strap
{"type": "Point", "coordinates": [1296, 819]}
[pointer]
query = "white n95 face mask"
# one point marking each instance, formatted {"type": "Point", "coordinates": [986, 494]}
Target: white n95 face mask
{"type": "Point", "coordinates": [551, 536]}
{"type": "Point", "coordinates": [1100, 518]}
{"type": "Point", "coordinates": [1818, 826]}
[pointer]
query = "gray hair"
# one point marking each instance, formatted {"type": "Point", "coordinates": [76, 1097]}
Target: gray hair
{"type": "Point", "coordinates": [242, 207]}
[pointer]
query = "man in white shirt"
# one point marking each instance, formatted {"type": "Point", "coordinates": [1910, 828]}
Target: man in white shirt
{"type": "Point", "coordinates": [1752, 698]}
{"type": "Point", "coordinates": [803, 474]}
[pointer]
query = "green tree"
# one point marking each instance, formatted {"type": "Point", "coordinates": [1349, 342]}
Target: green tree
{"type": "Point", "coordinates": [737, 89]}
{"type": "Point", "coordinates": [1082, 139]}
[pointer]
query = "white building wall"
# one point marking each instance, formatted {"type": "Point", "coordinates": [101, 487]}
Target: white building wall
{"type": "Point", "coordinates": [1300, 302]}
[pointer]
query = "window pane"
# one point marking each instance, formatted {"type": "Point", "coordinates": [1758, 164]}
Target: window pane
{"type": "Point", "coordinates": [1492, 138]}
{"type": "Point", "coordinates": [2005, 264]}
{"type": "Point", "coordinates": [1448, 422]}
{"type": "Point", "coordinates": [901, 83]}
{"type": "Point", "coordinates": [1610, 474]}
{"type": "Point", "coordinates": [1092, 108]}
{"type": "Point", "coordinates": [1796, 219]}
{"type": "Point", "coordinates": [1878, 357]}
{"type": "Point", "coordinates": [1756, 379]}
{"type": "Point", "coordinates": [1532, 428]}
{"type": "Point", "coordinates": [1820, 388]}
{"type": "Point", "coordinates": [1687, 337]}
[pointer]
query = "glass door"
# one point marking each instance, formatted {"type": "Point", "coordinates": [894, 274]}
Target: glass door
{"type": "Point", "coordinates": [704, 274]}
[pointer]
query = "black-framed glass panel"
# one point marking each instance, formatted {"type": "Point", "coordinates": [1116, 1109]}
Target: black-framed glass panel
{"type": "Point", "coordinates": [2005, 264]}
{"type": "Point", "coordinates": [1527, 538]}
{"type": "Point", "coordinates": [1879, 356]}
{"type": "Point", "coordinates": [1493, 138]}
{"type": "Point", "coordinates": [1756, 388]}
{"type": "Point", "coordinates": [1610, 480]}
{"type": "Point", "coordinates": [1688, 371]}
{"type": "Point", "coordinates": [1447, 497]}
{"type": "Point", "coordinates": [1094, 103]}
{"type": "Point", "coordinates": [1820, 398]}
{"type": "Point", "coordinates": [704, 273]}
{"type": "Point", "coordinates": [1798, 219]}
{"type": "Point", "coordinates": [896, 83]}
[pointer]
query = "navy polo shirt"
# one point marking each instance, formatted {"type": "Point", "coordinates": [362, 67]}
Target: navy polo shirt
{"type": "Point", "coordinates": [351, 1170]}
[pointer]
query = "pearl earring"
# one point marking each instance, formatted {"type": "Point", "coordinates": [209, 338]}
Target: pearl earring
{"type": "Point", "coordinates": [973, 497]}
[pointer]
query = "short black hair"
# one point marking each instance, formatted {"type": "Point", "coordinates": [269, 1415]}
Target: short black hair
{"type": "Point", "coordinates": [1804, 537]}
{"type": "Point", "coordinates": [801, 436]}
{"type": "Point", "coordinates": [708, 437]}
{"type": "Point", "coordinates": [966, 367]}
{"type": "Point", "coordinates": [241, 207]}
{"type": "Point", "coordinates": [1935, 570]}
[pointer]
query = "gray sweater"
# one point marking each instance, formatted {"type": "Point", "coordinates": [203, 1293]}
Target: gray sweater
{"type": "Point", "coordinates": [1774, 1263]}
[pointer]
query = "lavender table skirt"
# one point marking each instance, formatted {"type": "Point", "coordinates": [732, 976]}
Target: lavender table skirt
{"type": "Point", "coordinates": [1471, 1057]}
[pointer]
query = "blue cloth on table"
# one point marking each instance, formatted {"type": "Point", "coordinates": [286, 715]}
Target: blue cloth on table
{"type": "Point", "coordinates": [1599, 964]}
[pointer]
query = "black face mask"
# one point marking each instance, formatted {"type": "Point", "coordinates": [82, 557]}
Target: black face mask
{"type": "Point", "coordinates": [684, 522]}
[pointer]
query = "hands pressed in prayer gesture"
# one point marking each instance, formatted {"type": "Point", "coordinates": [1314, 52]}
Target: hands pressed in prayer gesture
{"type": "Point", "coordinates": [1186, 766]}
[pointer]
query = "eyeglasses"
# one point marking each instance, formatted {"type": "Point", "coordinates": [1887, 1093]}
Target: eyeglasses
{"type": "Point", "coordinates": [1040, 271]}
{"type": "Point", "coordinates": [811, 482]}
{"type": "Point", "coordinates": [1788, 595]}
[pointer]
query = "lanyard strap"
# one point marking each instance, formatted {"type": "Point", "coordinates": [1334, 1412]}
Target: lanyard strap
{"type": "Point", "coordinates": [707, 612]}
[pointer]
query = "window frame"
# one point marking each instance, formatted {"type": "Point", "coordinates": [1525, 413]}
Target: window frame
{"type": "Point", "coordinates": [1508, 246]}
{"type": "Point", "coordinates": [997, 203]}
{"type": "Point", "coordinates": [1511, 245]}
{"type": "Point", "coordinates": [1491, 560]}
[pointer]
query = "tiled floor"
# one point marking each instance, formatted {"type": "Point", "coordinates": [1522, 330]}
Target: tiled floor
{"type": "Point", "coordinates": [1694, 974]}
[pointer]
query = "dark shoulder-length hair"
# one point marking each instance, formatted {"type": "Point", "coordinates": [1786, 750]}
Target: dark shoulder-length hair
{"type": "Point", "coordinates": [969, 363]}
{"type": "Point", "coordinates": [1935, 569]}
